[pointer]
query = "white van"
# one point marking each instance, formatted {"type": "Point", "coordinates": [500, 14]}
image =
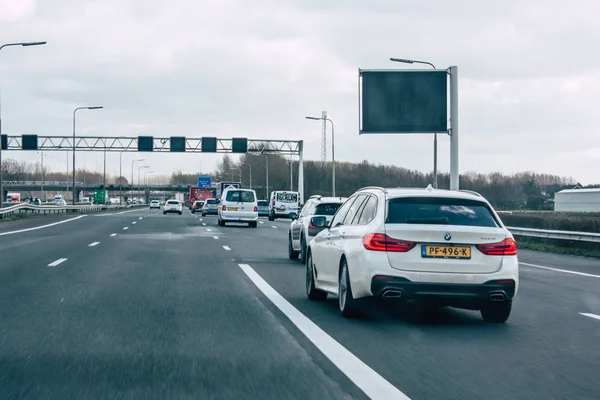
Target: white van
{"type": "Point", "coordinates": [284, 204]}
{"type": "Point", "coordinates": [238, 205]}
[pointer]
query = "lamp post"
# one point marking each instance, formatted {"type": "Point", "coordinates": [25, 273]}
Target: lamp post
{"type": "Point", "coordinates": [332, 151]}
{"type": "Point", "coordinates": [22, 44]}
{"type": "Point", "coordinates": [435, 140]}
{"type": "Point", "coordinates": [74, 114]}
{"type": "Point", "coordinates": [133, 162]}
{"type": "Point", "coordinates": [250, 169]}
{"type": "Point", "coordinates": [121, 177]}
{"type": "Point", "coordinates": [266, 172]}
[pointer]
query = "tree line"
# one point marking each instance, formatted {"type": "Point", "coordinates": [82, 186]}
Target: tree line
{"type": "Point", "coordinates": [525, 190]}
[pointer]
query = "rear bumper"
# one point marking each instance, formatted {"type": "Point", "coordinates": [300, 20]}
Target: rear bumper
{"type": "Point", "coordinates": [173, 211]}
{"type": "Point", "coordinates": [449, 293]}
{"type": "Point", "coordinates": [211, 212]}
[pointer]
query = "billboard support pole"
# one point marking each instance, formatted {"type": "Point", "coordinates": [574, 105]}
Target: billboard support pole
{"type": "Point", "coordinates": [454, 175]}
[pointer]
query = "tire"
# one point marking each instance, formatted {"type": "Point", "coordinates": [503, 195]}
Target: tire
{"type": "Point", "coordinates": [347, 304]}
{"type": "Point", "coordinates": [271, 218]}
{"type": "Point", "coordinates": [496, 312]}
{"type": "Point", "coordinates": [204, 215]}
{"type": "Point", "coordinates": [193, 212]}
{"type": "Point", "coordinates": [180, 212]}
{"type": "Point", "coordinates": [292, 254]}
{"type": "Point", "coordinates": [311, 291]}
{"type": "Point", "coordinates": [253, 224]}
{"type": "Point", "coordinates": [303, 249]}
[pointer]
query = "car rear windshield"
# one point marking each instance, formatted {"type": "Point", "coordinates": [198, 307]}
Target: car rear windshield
{"type": "Point", "coordinates": [173, 202]}
{"type": "Point", "coordinates": [263, 203]}
{"type": "Point", "coordinates": [243, 196]}
{"type": "Point", "coordinates": [327, 208]}
{"type": "Point", "coordinates": [439, 211]}
{"type": "Point", "coordinates": [287, 197]}
{"type": "Point", "coordinates": [211, 201]}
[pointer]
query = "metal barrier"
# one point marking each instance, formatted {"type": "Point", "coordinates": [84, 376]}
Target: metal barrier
{"type": "Point", "coordinates": [560, 235]}
{"type": "Point", "coordinates": [54, 209]}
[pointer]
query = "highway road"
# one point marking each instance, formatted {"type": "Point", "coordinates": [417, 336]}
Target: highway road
{"type": "Point", "coordinates": [142, 305]}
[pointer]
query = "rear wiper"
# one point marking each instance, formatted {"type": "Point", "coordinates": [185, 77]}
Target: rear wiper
{"type": "Point", "coordinates": [433, 221]}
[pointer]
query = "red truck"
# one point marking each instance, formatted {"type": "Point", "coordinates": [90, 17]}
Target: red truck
{"type": "Point", "coordinates": [200, 194]}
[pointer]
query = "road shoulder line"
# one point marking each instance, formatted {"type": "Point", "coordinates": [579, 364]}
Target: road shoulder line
{"type": "Point", "coordinates": [42, 226]}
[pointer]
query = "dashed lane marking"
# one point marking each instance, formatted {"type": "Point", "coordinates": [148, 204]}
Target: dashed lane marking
{"type": "Point", "coordinates": [125, 228]}
{"type": "Point", "coordinates": [113, 234]}
{"type": "Point", "coordinates": [590, 315]}
{"type": "Point", "coordinates": [57, 262]}
{"type": "Point", "coordinates": [369, 381]}
{"type": "Point", "coordinates": [227, 248]}
{"type": "Point", "coordinates": [93, 244]}
{"type": "Point", "coordinates": [216, 237]}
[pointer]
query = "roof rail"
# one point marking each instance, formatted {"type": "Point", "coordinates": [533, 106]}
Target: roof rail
{"type": "Point", "coordinates": [372, 187]}
{"type": "Point", "coordinates": [315, 196]}
{"type": "Point", "coordinates": [470, 191]}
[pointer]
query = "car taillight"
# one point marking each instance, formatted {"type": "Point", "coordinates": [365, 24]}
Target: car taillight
{"type": "Point", "coordinates": [224, 207]}
{"type": "Point", "coordinates": [507, 247]}
{"type": "Point", "coordinates": [382, 242]}
{"type": "Point", "coordinates": [255, 208]}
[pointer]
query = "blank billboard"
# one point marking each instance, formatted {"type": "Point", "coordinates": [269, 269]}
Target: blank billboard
{"type": "Point", "coordinates": [403, 101]}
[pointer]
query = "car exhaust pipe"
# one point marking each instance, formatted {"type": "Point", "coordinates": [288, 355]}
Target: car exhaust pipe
{"type": "Point", "coordinates": [392, 293]}
{"type": "Point", "coordinates": [497, 297]}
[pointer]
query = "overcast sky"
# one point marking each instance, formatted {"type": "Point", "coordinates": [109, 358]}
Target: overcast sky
{"type": "Point", "coordinates": [529, 86]}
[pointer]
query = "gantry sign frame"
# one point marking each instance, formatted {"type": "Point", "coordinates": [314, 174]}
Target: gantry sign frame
{"type": "Point", "coordinates": [175, 144]}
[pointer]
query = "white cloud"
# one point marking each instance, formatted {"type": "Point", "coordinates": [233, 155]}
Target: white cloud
{"type": "Point", "coordinates": [528, 75]}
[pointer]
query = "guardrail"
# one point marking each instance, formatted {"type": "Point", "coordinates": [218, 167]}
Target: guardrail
{"type": "Point", "coordinates": [54, 209]}
{"type": "Point", "coordinates": [560, 235]}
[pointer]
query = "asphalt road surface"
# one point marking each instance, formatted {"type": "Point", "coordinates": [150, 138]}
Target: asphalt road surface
{"type": "Point", "coordinates": [140, 305]}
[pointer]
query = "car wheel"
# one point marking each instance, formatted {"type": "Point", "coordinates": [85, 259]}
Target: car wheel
{"type": "Point", "coordinates": [302, 249]}
{"type": "Point", "coordinates": [311, 291]}
{"type": "Point", "coordinates": [346, 303]}
{"type": "Point", "coordinates": [180, 212]}
{"type": "Point", "coordinates": [292, 254]}
{"type": "Point", "coordinates": [253, 224]}
{"type": "Point", "coordinates": [164, 213]}
{"type": "Point", "coordinates": [496, 312]}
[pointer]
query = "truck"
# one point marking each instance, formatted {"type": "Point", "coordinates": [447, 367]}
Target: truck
{"type": "Point", "coordinates": [12, 197]}
{"type": "Point", "coordinates": [222, 185]}
{"type": "Point", "coordinates": [200, 194]}
{"type": "Point", "coordinates": [179, 197]}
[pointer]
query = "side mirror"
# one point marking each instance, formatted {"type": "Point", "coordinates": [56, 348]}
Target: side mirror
{"type": "Point", "coordinates": [319, 222]}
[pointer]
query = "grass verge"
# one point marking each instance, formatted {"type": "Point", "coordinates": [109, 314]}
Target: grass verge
{"type": "Point", "coordinates": [569, 247]}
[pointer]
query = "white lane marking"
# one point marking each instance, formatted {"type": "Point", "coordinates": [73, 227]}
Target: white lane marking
{"type": "Point", "coordinates": [566, 271]}
{"type": "Point", "coordinates": [273, 226]}
{"type": "Point", "coordinates": [123, 212]}
{"type": "Point", "coordinates": [93, 244]}
{"type": "Point", "coordinates": [590, 315]}
{"type": "Point", "coordinates": [369, 381]}
{"type": "Point", "coordinates": [260, 222]}
{"type": "Point", "coordinates": [208, 230]}
{"type": "Point", "coordinates": [227, 248]}
{"type": "Point", "coordinates": [134, 222]}
{"type": "Point", "coordinates": [113, 234]}
{"type": "Point", "coordinates": [204, 224]}
{"type": "Point", "coordinates": [200, 219]}
{"type": "Point", "coordinates": [43, 226]}
{"type": "Point", "coordinates": [216, 237]}
{"type": "Point", "coordinates": [140, 217]}
{"type": "Point", "coordinates": [59, 261]}
{"type": "Point", "coordinates": [125, 228]}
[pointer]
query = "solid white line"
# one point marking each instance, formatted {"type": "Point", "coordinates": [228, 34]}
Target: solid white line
{"type": "Point", "coordinates": [113, 234]}
{"type": "Point", "coordinates": [125, 228]}
{"type": "Point", "coordinates": [208, 230]}
{"type": "Point", "coordinates": [43, 226]}
{"type": "Point", "coordinates": [93, 244]}
{"type": "Point", "coordinates": [216, 237]}
{"type": "Point", "coordinates": [566, 271]}
{"type": "Point", "coordinates": [123, 212]}
{"type": "Point", "coordinates": [134, 222]}
{"type": "Point", "coordinates": [590, 315]}
{"type": "Point", "coordinates": [59, 261]}
{"type": "Point", "coordinates": [204, 224]}
{"type": "Point", "coordinates": [227, 248]}
{"type": "Point", "coordinates": [273, 226]}
{"type": "Point", "coordinates": [369, 381]}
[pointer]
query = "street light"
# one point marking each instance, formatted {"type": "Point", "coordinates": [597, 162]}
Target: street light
{"type": "Point", "coordinates": [332, 151]}
{"type": "Point", "coordinates": [23, 44]}
{"type": "Point", "coordinates": [435, 141]}
{"type": "Point", "coordinates": [121, 177]}
{"type": "Point", "coordinates": [74, 113]}
{"type": "Point", "coordinates": [250, 169]}
{"type": "Point", "coordinates": [266, 172]}
{"type": "Point", "coordinates": [139, 168]}
{"type": "Point", "coordinates": [146, 178]}
{"type": "Point", "coordinates": [132, 162]}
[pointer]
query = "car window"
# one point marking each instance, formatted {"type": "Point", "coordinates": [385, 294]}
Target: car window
{"type": "Point", "coordinates": [243, 196]}
{"type": "Point", "coordinates": [287, 197]}
{"type": "Point", "coordinates": [306, 209]}
{"type": "Point", "coordinates": [327, 208]}
{"type": "Point", "coordinates": [369, 211]}
{"type": "Point", "coordinates": [173, 202]}
{"type": "Point", "coordinates": [263, 203]}
{"type": "Point", "coordinates": [440, 211]}
{"type": "Point", "coordinates": [211, 201]}
{"type": "Point", "coordinates": [352, 211]}
{"type": "Point", "coordinates": [341, 213]}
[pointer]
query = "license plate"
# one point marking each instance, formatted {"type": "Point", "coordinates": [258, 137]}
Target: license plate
{"type": "Point", "coordinates": [281, 211]}
{"type": "Point", "coordinates": [460, 252]}
{"type": "Point", "coordinates": [232, 209]}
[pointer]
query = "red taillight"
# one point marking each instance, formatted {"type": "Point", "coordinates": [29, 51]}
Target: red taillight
{"type": "Point", "coordinates": [255, 208]}
{"type": "Point", "coordinates": [223, 208]}
{"type": "Point", "coordinates": [382, 242]}
{"type": "Point", "coordinates": [507, 247]}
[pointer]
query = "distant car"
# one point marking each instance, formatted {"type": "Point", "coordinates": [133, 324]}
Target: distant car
{"type": "Point", "coordinates": [197, 206]}
{"type": "Point", "coordinates": [155, 204]}
{"type": "Point", "coordinates": [211, 207]}
{"type": "Point", "coordinates": [284, 204]}
{"type": "Point", "coordinates": [435, 247]}
{"type": "Point", "coordinates": [301, 231]}
{"type": "Point", "coordinates": [263, 208]}
{"type": "Point", "coordinates": [173, 206]}
{"type": "Point", "coordinates": [238, 205]}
